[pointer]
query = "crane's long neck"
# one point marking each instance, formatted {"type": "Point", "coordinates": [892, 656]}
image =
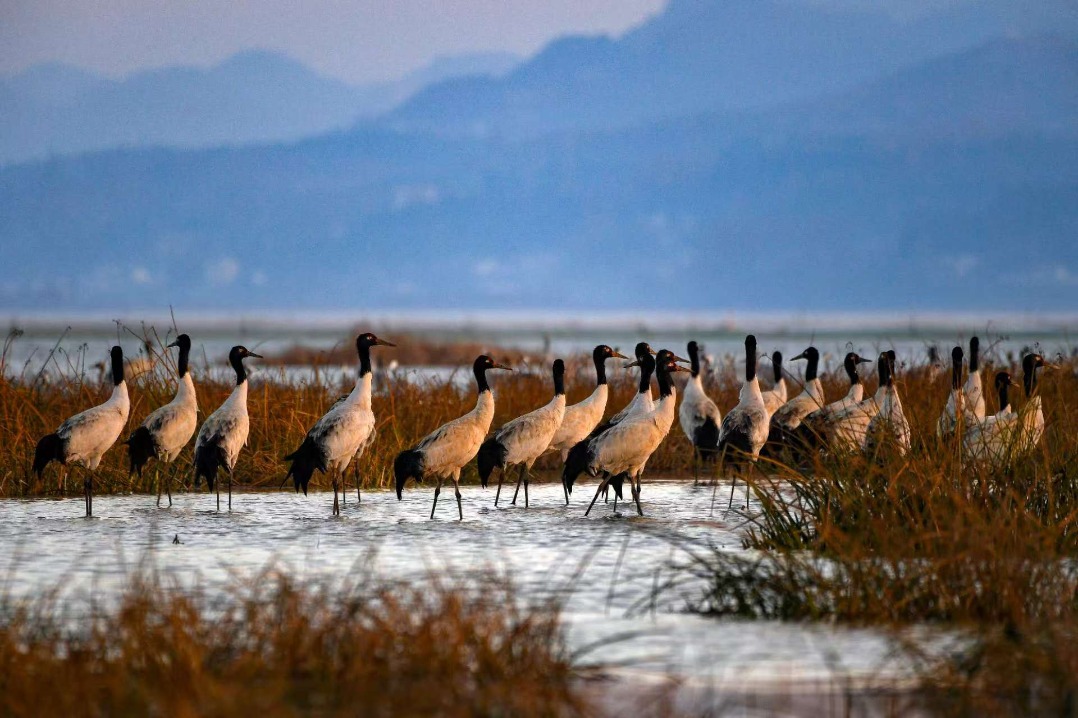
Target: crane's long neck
{"type": "Point", "coordinates": [813, 367]}
{"type": "Point", "coordinates": [694, 360]}
{"type": "Point", "coordinates": [182, 362]}
{"type": "Point", "coordinates": [185, 391]}
{"type": "Point", "coordinates": [364, 360]}
{"type": "Point", "coordinates": [645, 380]}
{"type": "Point", "coordinates": [600, 370]}
{"type": "Point", "coordinates": [1003, 399]}
{"type": "Point", "coordinates": [481, 381]}
{"type": "Point", "coordinates": [241, 371]}
{"type": "Point", "coordinates": [851, 372]}
{"type": "Point", "coordinates": [956, 374]}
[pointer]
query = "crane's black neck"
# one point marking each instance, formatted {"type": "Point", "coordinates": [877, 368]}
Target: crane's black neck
{"type": "Point", "coordinates": [851, 370]}
{"type": "Point", "coordinates": [974, 354]}
{"type": "Point", "coordinates": [481, 379]}
{"type": "Point", "coordinates": [117, 357]}
{"type": "Point", "coordinates": [364, 351]}
{"type": "Point", "coordinates": [666, 386]}
{"type": "Point", "coordinates": [776, 366]}
{"type": "Point", "coordinates": [599, 358]}
{"type": "Point", "coordinates": [559, 377]}
{"type": "Point", "coordinates": [185, 356]}
{"type": "Point", "coordinates": [647, 368]}
{"type": "Point", "coordinates": [694, 358]}
{"type": "Point", "coordinates": [813, 357]}
{"type": "Point", "coordinates": [884, 369]}
{"type": "Point", "coordinates": [956, 368]}
{"type": "Point", "coordinates": [1001, 388]}
{"type": "Point", "coordinates": [1029, 374]}
{"type": "Point", "coordinates": [750, 358]}
{"type": "Point", "coordinates": [236, 360]}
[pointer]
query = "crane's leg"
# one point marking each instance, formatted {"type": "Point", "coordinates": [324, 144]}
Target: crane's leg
{"type": "Point", "coordinates": [87, 490]}
{"type": "Point", "coordinates": [520, 480]}
{"type": "Point", "coordinates": [437, 490]}
{"type": "Point", "coordinates": [526, 477]}
{"type": "Point", "coordinates": [498, 493]}
{"type": "Point", "coordinates": [456, 490]}
{"type": "Point", "coordinates": [168, 484]}
{"type": "Point", "coordinates": [336, 505]}
{"type": "Point", "coordinates": [598, 491]}
{"type": "Point", "coordinates": [230, 489]}
{"type": "Point", "coordinates": [564, 488]}
{"type": "Point", "coordinates": [217, 487]}
{"type": "Point", "coordinates": [157, 480]}
{"type": "Point", "coordinates": [636, 493]}
{"type": "Point", "coordinates": [359, 498]}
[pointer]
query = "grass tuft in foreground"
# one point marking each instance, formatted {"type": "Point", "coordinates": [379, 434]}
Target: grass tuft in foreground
{"type": "Point", "coordinates": [274, 647]}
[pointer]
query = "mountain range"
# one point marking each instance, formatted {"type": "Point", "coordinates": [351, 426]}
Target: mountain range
{"type": "Point", "coordinates": [809, 156]}
{"type": "Point", "coordinates": [252, 97]}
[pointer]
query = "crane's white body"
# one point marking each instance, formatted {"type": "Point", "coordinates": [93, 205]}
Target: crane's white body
{"type": "Point", "coordinates": [86, 436]}
{"type": "Point", "coordinates": [696, 408]}
{"type": "Point", "coordinates": [748, 418]}
{"type": "Point", "coordinates": [579, 420]}
{"type": "Point", "coordinates": [973, 396]}
{"type": "Point", "coordinates": [792, 413]}
{"type": "Point", "coordinates": [227, 428]}
{"type": "Point", "coordinates": [527, 437]}
{"type": "Point", "coordinates": [348, 428]}
{"type": "Point", "coordinates": [449, 447]}
{"type": "Point", "coordinates": [172, 425]}
{"type": "Point", "coordinates": [889, 424]}
{"type": "Point", "coordinates": [626, 447]}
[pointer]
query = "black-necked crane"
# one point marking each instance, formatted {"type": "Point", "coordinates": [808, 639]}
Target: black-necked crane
{"type": "Point", "coordinates": [623, 450]}
{"type": "Point", "coordinates": [581, 418]}
{"type": "Point", "coordinates": [698, 415]}
{"type": "Point", "coordinates": [992, 440]}
{"type": "Point", "coordinates": [776, 396]}
{"type": "Point", "coordinates": [524, 439]}
{"type": "Point", "coordinates": [343, 432]}
{"type": "Point", "coordinates": [785, 422]}
{"type": "Point", "coordinates": [84, 438]}
{"type": "Point", "coordinates": [889, 426]}
{"type": "Point", "coordinates": [224, 432]}
{"type": "Point", "coordinates": [973, 391]}
{"type": "Point", "coordinates": [1031, 416]}
{"type": "Point", "coordinates": [744, 429]}
{"type": "Point", "coordinates": [163, 434]}
{"type": "Point", "coordinates": [956, 405]}
{"type": "Point", "coordinates": [641, 401]}
{"type": "Point", "coordinates": [445, 451]}
{"type": "Point", "coordinates": [819, 425]}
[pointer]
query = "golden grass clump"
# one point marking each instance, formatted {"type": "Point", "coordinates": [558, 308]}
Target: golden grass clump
{"type": "Point", "coordinates": [274, 647]}
{"type": "Point", "coordinates": [928, 538]}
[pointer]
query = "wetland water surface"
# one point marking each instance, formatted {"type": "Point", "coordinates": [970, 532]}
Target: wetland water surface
{"type": "Point", "coordinates": [541, 548]}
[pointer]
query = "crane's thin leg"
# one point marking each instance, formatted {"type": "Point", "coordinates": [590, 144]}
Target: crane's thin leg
{"type": "Point", "coordinates": [695, 467]}
{"type": "Point", "coordinates": [456, 490]}
{"type": "Point", "coordinates": [525, 472]}
{"type": "Point", "coordinates": [157, 480]}
{"type": "Point", "coordinates": [636, 493]}
{"type": "Point", "coordinates": [615, 502]}
{"type": "Point", "coordinates": [520, 479]}
{"type": "Point", "coordinates": [217, 488]}
{"type": "Point", "coordinates": [597, 492]}
{"type": "Point", "coordinates": [168, 484]}
{"type": "Point", "coordinates": [344, 486]}
{"type": "Point", "coordinates": [565, 490]}
{"type": "Point", "coordinates": [498, 493]}
{"type": "Point", "coordinates": [230, 489]}
{"type": "Point", "coordinates": [87, 490]}
{"type": "Point", "coordinates": [437, 490]}
{"type": "Point", "coordinates": [336, 505]}
{"type": "Point", "coordinates": [359, 498]}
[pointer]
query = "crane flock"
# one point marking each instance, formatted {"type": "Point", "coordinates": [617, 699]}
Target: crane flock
{"type": "Point", "coordinates": [762, 423]}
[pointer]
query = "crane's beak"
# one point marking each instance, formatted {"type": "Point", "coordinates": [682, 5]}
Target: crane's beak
{"type": "Point", "coordinates": [173, 344]}
{"type": "Point", "coordinates": [862, 360]}
{"type": "Point", "coordinates": [256, 356]}
{"type": "Point", "coordinates": [651, 351]}
{"type": "Point", "coordinates": [619, 355]}
{"type": "Point", "coordinates": [502, 366]}
{"type": "Point", "coordinates": [682, 361]}
{"type": "Point", "coordinates": [631, 364]}
{"type": "Point", "coordinates": [799, 356]}
{"type": "Point", "coordinates": [383, 343]}
{"type": "Point", "coordinates": [678, 368]}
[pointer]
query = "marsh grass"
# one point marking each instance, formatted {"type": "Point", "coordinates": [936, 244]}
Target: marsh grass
{"type": "Point", "coordinates": [926, 538]}
{"type": "Point", "coordinates": [272, 646]}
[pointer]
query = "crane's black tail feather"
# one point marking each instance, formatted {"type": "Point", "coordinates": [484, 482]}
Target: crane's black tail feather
{"type": "Point", "coordinates": [305, 460]}
{"type": "Point", "coordinates": [491, 454]}
{"type": "Point", "coordinates": [706, 439]}
{"type": "Point", "coordinates": [140, 449]}
{"type": "Point", "coordinates": [576, 463]}
{"type": "Point", "coordinates": [208, 459]}
{"type": "Point", "coordinates": [407, 465]}
{"type": "Point", "coordinates": [49, 448]}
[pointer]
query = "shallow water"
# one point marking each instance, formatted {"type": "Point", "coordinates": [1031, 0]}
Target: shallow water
{"type": "Point", "coordinates": [620, 557]}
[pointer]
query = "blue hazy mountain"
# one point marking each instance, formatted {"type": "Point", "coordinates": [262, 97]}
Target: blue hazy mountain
{"type": "Point", "coordinates": [948, 182]}
{"type": "Point", "coordinates": [254, 96]}
{"type": "Point", "coordinates": [717, 55]}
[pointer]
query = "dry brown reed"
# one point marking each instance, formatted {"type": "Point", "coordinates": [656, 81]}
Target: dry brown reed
{"type": "Point", "coordinates": [275, 647]}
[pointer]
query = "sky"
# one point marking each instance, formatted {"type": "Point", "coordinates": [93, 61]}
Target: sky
{"type": "Point", "coordinates": [357, 41]}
